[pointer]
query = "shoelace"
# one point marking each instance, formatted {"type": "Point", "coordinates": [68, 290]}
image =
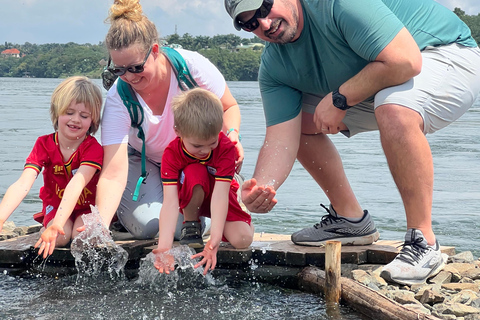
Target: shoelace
{"type": "Point", "coordinates": [326, 219]}
{"type": "Point", "coordinates": [412, 251]}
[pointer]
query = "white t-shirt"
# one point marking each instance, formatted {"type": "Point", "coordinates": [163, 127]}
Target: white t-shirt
{"type": "Point", "coordinates": [116, 125]}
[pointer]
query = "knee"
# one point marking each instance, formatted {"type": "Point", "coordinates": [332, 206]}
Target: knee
{"type": "Point", "coordinates": [242, 240]}
{"type": "Point", "coordinates": [143, 231]}
{"type": "Point", "coordinates": [395, 119]}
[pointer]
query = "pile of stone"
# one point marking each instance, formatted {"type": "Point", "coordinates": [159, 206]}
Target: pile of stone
{"type": "Point", "coordinates": [451, 294]}
{"type": "Point", "coordinates": [9, 230]}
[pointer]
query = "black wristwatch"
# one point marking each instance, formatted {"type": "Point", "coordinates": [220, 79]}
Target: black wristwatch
{"type": "Point", "coordinates": [339, 100]}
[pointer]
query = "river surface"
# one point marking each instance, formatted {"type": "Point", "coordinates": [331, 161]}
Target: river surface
{"type": "Point", "coordinates": [24, 109]}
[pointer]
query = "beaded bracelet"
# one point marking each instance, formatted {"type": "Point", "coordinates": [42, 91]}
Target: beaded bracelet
{"type": "Point", "coordinates": [233, 129]}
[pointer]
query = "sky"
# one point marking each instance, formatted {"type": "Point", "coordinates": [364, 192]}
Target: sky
{"type": "Point", "coordinates": [83, 21]}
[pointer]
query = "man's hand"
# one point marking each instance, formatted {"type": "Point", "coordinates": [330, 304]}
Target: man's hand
{"type": "Point", "coordinates": [258, 199]}
{"type": "Point", "coordinates": [327, 117]}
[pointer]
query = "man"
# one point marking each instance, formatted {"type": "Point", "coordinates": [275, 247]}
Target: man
{"type": "Point", "coordinates": [403, 67]}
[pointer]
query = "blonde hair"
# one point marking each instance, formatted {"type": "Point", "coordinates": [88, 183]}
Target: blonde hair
{"type": "Point", "coordinates": [129, 26]}
{"type": "Point", "coordinates": [197, 113]}
{"type": "Point", "coordinates": [76, 89]}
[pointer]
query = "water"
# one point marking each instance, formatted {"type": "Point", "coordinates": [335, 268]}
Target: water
{"type": "Point", "coordinates": [24, 107]}
{"type": "Point", "coordinates": [95, 251]}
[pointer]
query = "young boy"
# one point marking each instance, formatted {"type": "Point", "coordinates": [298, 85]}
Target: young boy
{"type": "Point", "coordinates": [71, 159]}
{"type": "Point", "coordinates": [197, 173]}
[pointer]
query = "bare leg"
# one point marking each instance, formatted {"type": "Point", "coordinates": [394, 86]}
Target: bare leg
{"type": "Point", "coordinates": [63, 240]}
{"type": "Point", "coordinates": [238, 233]}
{"type": "Point", "coordinates": [190, 212]}
{"type": "Point", "coordinates": [410, 160]}
{"type": "Point", "coordinates": [319, 156]}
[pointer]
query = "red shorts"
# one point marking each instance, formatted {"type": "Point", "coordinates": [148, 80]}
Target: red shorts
{"type": "Point", "coordinates": [197, 174]}
{"type": "Point", "coordinates": [44, 219]}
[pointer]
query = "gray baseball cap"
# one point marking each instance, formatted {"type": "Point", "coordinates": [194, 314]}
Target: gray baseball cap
{"type": "Point", "coordinates": [235, 7]}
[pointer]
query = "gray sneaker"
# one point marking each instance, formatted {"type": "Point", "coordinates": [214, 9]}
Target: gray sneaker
{"type": "Point", "coordinates": [192, 234]}
{"type": "Point", "coordinates": [333, 227]}
{"type": "Point", "coordinates": [416, 262]}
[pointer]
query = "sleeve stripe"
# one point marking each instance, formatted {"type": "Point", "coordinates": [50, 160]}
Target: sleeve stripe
{"type": "Point", "coordinates": [228, 179]}
{"type": "Point", "coordinates": [33, 166]}
{"type": "Point", "coordinates": [169, 182]}
{"type": "Point", "coordinates": [92, 164]}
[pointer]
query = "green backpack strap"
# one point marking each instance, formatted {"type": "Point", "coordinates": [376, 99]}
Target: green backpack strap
{"type": "Point", "coordinates": [184, 78]}
{"type": "Point", "coordinates": [135, 110]}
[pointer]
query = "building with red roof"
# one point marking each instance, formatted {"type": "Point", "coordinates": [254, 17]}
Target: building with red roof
{"type": "Point", "coordinates": [11, 53]}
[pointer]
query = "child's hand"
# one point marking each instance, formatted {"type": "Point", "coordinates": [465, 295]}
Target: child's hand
{"type": "Point", "coordinates": [209, 255]}
{"type": "Point", "coordinates": [47, 240]}
{"type": "Point", "coordinates": [164, 261]}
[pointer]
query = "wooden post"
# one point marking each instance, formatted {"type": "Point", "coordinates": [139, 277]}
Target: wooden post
{"type": "Point", "coordinates": [333, 287]}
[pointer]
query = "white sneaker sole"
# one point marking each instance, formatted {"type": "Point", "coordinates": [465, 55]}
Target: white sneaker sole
{"type": "Point", "coordinates": [387, 276]}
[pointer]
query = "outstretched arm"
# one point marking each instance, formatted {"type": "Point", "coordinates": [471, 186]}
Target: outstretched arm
{"type": "Point", "coordinates": [16, 193]}
{"type": "Point", "coordinates": [218, 209]}
{"type": "Point", "coordinates": [274, 163]}
{"type": "Point", "coordinates": [112, 181]}
{"type": "Point", "coordinates": [164, 262]}
{"type": "Point", "coordinates": [72, 192]}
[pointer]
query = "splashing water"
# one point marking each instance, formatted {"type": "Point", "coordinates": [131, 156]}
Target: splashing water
{"type": "Point", "coordinates": [183, 276]}
{"type": "Point", "coordinates": [94, 249]}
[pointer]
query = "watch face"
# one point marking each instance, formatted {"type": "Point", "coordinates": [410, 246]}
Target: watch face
{"type": "Point", "coordinates": [339, 101]}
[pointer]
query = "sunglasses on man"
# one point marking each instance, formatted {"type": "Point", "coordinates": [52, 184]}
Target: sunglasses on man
{"type": "Point", "coordinates": [261, 13]}
{"type": "Point", "coordinates": [120, 71]}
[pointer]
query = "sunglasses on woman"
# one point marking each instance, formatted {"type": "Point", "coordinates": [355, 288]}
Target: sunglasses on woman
{"type": "Point", "coordinates": [120, 71]}
{"type": "Point", "coordinates": [261, 13]}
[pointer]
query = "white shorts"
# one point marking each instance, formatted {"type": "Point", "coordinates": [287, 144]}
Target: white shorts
{"type": "Point", "coordinates": [444, 90]}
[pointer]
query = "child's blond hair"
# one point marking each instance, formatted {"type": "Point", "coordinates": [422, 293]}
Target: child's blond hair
{"type": "Point", "coordinates": [198, 113]}
{"type": "Point", "coordinates": [76, 89]}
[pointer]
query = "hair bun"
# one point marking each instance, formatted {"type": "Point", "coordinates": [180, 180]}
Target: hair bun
{"type": "Point", "coordinates": [126, 9]}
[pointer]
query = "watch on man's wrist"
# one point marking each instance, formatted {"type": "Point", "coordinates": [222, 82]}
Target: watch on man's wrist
{"type": "Point", "coordinates": [339, 100]}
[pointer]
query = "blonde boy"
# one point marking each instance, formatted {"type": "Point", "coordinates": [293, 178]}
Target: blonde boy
{"type": "Point", "coordinates": [197, 173]}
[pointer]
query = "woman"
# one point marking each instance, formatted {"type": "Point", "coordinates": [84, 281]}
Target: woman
{"type": "Point", "coordinates": [133, 44]}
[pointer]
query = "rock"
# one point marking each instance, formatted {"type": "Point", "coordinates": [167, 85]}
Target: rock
{"type": "Point", "coordinates": [462, 286]}
{"type": "Point", "coordinates": [459, 267]}
{"type": "Point", "coordinates": [442, 277]}
{"type": "Point", "coordinates": [7, 235]}
{"type": "Point", "coordinates": [431, 297]}
{"type": "Point", "coordinates": [464, 297]}
{"type": "Point", "coordinates": [8, 226]}
{"type": "Point", "coordinates": [417, 307]}
{"type": "Point", "coordinates": [462, 257]}
{"type": "Point", "coordinates": [460, 310]}
{"type": "Point", "coordinates": [473, 274]}
{"type": "Point", "coordinates": [21, 231]}
{"type": "Point", "coordinates": [405, 297]}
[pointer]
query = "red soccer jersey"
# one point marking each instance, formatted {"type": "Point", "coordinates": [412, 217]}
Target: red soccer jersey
{"type": "Point", "coordinates": [220, 162]}
{"type": "Point", "coordinates": [57, 173]}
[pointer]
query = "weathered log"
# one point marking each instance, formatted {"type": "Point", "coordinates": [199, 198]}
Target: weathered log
{"type": "Point", "coordinates": [361, 298]}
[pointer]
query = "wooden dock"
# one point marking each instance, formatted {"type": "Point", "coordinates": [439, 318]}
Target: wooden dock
{"type": "Point", "coordinates": [271, 258]}
{"type": "Point", "coordinates": [267, 251]}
